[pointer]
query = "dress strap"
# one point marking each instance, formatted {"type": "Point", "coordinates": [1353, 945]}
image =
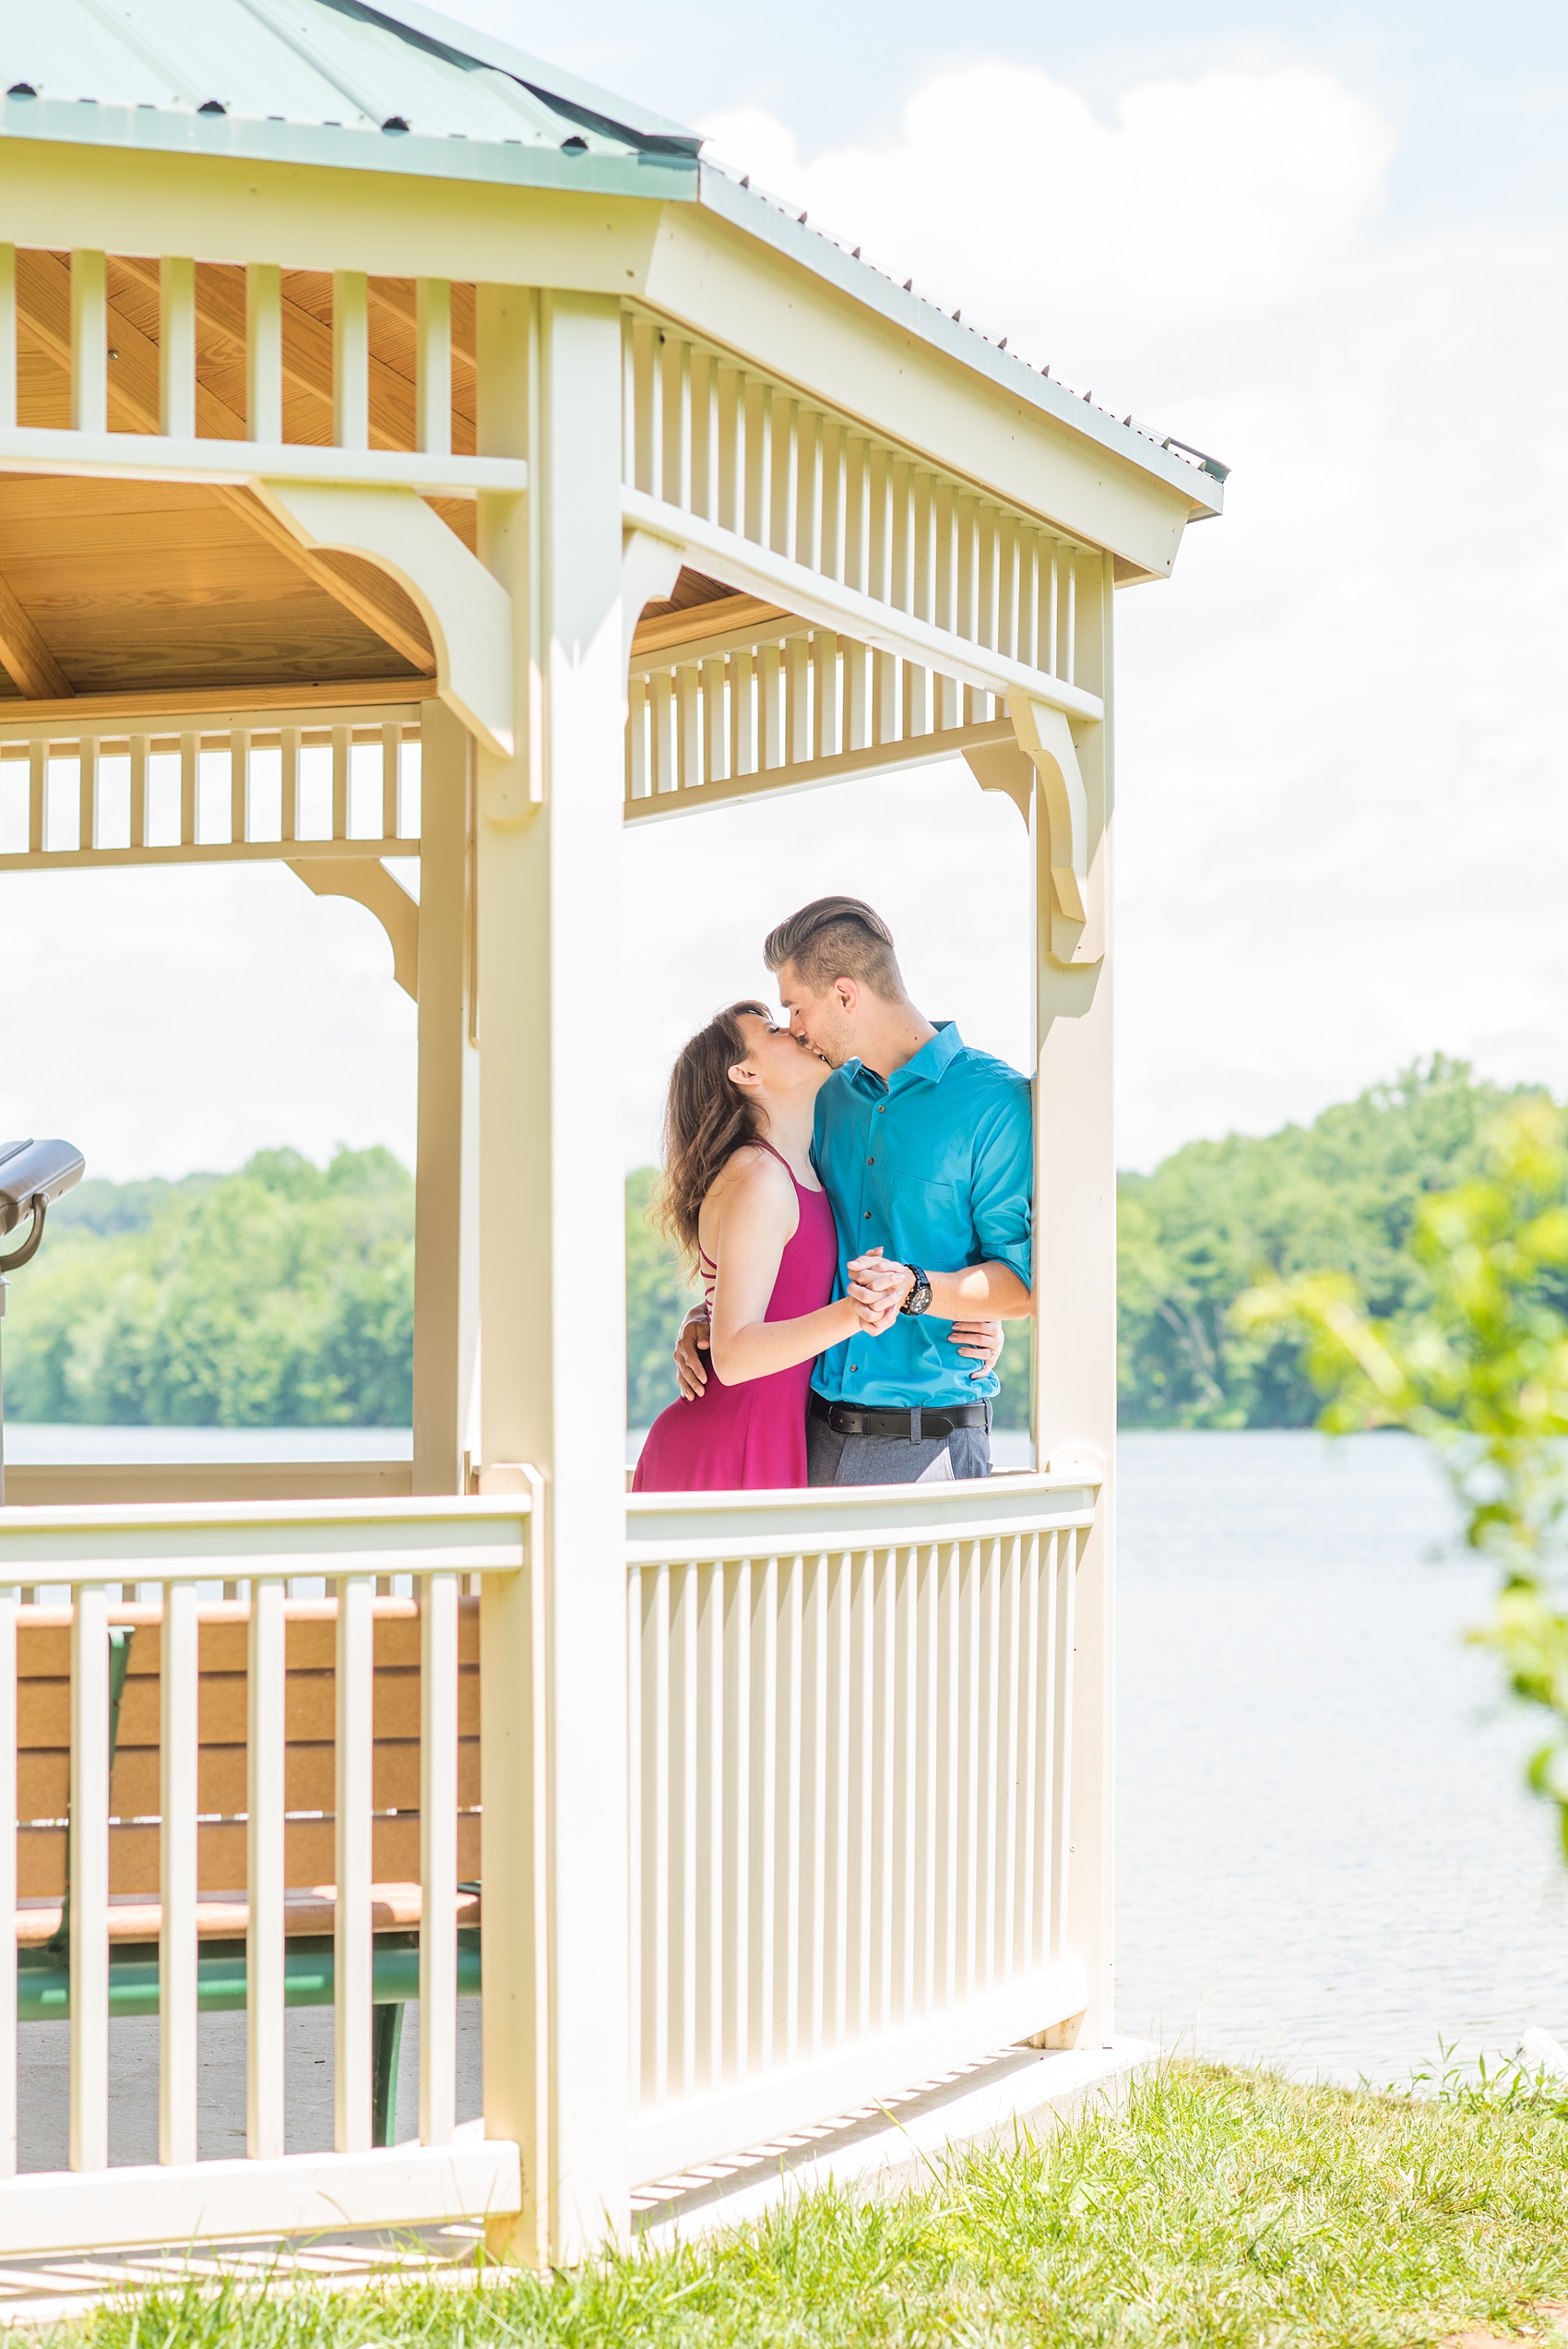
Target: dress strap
{"type": "Point", "coordinates": [759, 1144]}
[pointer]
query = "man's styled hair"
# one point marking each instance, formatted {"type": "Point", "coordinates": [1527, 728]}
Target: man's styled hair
{"type": "Point", "coordinates": [837, 937]}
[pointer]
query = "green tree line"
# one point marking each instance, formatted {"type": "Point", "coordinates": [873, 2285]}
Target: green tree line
{"type": "Point", "coordinates": [282, 1296]}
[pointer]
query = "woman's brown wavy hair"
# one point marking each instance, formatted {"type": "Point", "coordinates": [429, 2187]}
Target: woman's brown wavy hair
{"type": "Point", "coordinates": [706, 1121]}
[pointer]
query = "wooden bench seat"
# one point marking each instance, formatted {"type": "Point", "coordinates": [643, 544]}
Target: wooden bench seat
{"type": "Point", "coordinates": [44, 1760]}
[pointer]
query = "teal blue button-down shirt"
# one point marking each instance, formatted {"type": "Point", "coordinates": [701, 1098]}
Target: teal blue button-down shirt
{"type": "Point", "coordinates": [935, 1165]}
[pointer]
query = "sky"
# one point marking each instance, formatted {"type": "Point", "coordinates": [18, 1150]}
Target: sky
{"type": "Point", "coordinates": [1327, 242]}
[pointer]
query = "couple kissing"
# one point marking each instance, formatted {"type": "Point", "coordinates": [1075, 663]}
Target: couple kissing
{"type": "Point", "coordinates": [854, 1184]}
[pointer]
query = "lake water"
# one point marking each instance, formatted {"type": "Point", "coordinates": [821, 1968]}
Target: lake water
{"type": "Point", "coordinates": [1325, 1859]}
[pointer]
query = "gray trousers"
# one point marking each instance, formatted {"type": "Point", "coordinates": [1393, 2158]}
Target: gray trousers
{"type": "Point", "coordinates": [833, 1459]}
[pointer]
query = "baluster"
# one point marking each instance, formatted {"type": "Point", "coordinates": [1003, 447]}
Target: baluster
{"type": "Point", "coordinates": [350, 359]}
{"type": "Point", "coordinates": [742, 713]}
{"type": "Point", "coordinates": [391, 774]}
{"type": "Point", "coordinates": [856, 695]}
{"type": "Point", "coordinates": [440, 1795]}
{"type": "Point", "coordinates": [433, 367]}
{"type": "Point", "coordinates": [922, 531]}
{"type": "Point", "coordinates": [190, 769]}
{"type": "Point", "coordinates": [808, 474]}
{"type": "Point", "coordinates": [8, 335]}
{"type": "Point", "coordinates": [825, 692]}
{"type": "Point", "coordinates": [1007, 593]}
{"type": "Point", "coordinates": [835, 489]}
{"type": "Point", "coordinates": [885, 698]}
{"type": "Point", "coordinates": [797, 703]}
{"type": "Point", "coordinates": [239, 783]}
{"type": "Point", "coordinates": [683, 1879]}
{"type": "Point", "coordinates": [10, 1599]}
{"type": "Point", "coordinates": [784, 460]}
{"type": "Point", "coordinates": [1028, 598]}
{"type": "Point", "coordinates": [713, 1889]}
{"type": "Point", "coordinates": [655, 426]}
{"type": "Point", "coordinates": [770, 714]}
{"type": "Point", "coordinates": [728, 464]}
{"type": "Point", "coordinates": [879, 536]}
{"type": "Point", "coordinates": [736, 1762]}
{"type": "Point", "coordinates": [679, 355]}
{"type": "Point", "coordinates": [263, 352]}
{"type": "Point", "coordinates": [177, 346]}
{"type": "Point", "coordinates": [901, 535]}
{"type": "Point", "coordinates": [38, 778]}
{"type": "Point", "coordinates": [688, 682]}
{"type": "Point", "coordinates": [637, 1884]}
{"type": "Point", "coordinates": [759, 448]}
{"type": "Point", "coordinates": [264, 1863]}
{"type": "Point", "coordinates": [915, 713]}
{"type": "Point", "coordinates": [644, 352]}
{"type": "Point", "coordinates": [657, 1794]}
{"type": "Point", "coordinates": [1070, 625]}
{"type": "Point", "coordinates": [1010, 1750]}
{"type": "Point", "coordinates": [636, 739]}
{"type": "Point", "coordinates": [179, 1673]}
{"type": "Point", "coordinates": [1028, 1956]}
{"type": "Point", "coordinates": [1061, 1775]}
{"type": "Point", "coordinates": [89, 1900]}
{"type": "Point", "coordinates": [289, 782]}
{"type": "Point", "coordinates": [710, 440]}
{"type": "Point", "coordinates": [86, 792]}
{"type": "Point", "coordinates": [138, 789]}
{"type": "Point", "coordinates": [89, 342]}
{"type": "Point", "coordinates": [351, 1939]}
{"type": "Point", "coordinates": [984, 627]}
{"type": "Point", "coordinates": [763, 1818]}
{"type": "Point", "coordinates": [966, 600]}
{"type": "Point", "coordinates": [343, 751]}
{"type": "Point", "coordinates": [662, 689]}
{"type": "Point", "coordinates": [714, 732]}
{"type": "Point", "coordinates": [1054, 611]}
{"type": "Point", "coordinates": [810, 1935]}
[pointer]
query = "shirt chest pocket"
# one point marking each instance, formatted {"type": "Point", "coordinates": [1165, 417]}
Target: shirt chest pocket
{"type": "Point", "coordinates": [926, 1205]}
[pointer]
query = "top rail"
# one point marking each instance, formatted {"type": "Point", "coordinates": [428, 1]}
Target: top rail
{"type": "Point", "coordinates": [696, 1525]}
{"type": "Point", "coordinates": [168, 1542]}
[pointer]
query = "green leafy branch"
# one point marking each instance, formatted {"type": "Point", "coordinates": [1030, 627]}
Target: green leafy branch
{"type": "Point", "coordinates": [1481, 1372]}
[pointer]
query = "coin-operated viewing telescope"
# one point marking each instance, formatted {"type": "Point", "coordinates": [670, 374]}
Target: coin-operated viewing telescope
{"type": "Point", "coordinates": [32, 1176]}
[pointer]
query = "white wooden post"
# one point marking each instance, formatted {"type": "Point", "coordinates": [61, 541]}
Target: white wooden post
{"type": "Point", "coordinates": [551, 1276]}
{"type": "Point", "coordinates": [446, 1171]}
{"type": "Point", "coordinates": [1075, 1328]}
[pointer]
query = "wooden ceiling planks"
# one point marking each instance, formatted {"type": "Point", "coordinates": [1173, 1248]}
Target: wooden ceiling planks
{"type": "Point", "coordinates": [162, 584]}
{"type": "Point", "coordinates": [44, 335]}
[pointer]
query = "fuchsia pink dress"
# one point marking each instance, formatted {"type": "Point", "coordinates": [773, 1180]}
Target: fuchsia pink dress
{"type": "Point", "coordinates": [751, 1438]}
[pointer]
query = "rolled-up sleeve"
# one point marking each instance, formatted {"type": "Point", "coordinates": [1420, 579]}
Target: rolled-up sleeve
{"type": "Point", "coordinates": [1002, 1197]}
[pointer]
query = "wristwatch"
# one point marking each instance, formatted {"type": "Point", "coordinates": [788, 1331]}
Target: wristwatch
{"type": "Point", "coordinates": [919, 1298]}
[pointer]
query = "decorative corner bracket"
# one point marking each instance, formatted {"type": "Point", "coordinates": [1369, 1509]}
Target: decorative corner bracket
{"type": "Point", "coordinates": [1041, 773]}
{"type": "Point", "coordinates": [649, 568]}
{"type": "Point", "coordinates": [367, 881]}
{"type": "Point", "coordinates": [467, 611]}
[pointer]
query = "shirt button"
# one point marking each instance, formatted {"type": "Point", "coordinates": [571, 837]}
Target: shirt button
{"type": "Point", "coordinates": [871, 1162]}
{"type": "Point", "coordinates": [868, 1215]}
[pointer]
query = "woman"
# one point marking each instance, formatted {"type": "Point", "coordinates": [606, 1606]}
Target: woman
{"type": "Point", "coordinates": [743, 1198]}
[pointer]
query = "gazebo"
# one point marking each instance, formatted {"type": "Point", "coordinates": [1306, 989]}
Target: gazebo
{"type": "Point", "coordinates": [410, 451]}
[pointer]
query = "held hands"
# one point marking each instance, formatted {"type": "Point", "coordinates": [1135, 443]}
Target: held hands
{"type": "Point", "coordinates": [877, 1290]}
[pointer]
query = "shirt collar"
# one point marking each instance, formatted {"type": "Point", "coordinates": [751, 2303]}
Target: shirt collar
{"type": "Point", "coordinates": [928, 1066]}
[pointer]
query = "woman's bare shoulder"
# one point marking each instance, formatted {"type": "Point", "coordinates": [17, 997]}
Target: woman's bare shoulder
{"type": "Point", "coordinates": [750, 1173]}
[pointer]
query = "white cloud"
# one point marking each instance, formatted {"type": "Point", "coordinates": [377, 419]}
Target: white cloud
{"type": "Point", "coordinates": [1341, 831]}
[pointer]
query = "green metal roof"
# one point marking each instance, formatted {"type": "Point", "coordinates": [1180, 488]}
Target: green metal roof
{"type": "Point", "coordinates": [326, 81]}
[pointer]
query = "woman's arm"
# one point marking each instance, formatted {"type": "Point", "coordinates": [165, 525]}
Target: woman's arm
{"type": "Point", "coordinates": [755, 1215]}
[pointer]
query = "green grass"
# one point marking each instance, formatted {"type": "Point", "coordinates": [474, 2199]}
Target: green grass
{"type": "Point", "coordinates": [1224, 2208]}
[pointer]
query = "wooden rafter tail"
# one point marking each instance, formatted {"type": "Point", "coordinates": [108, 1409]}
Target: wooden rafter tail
{"type": "Point", "coordinates": [43, 299]}
{"type": "Point", "coordinates": [28, 660]}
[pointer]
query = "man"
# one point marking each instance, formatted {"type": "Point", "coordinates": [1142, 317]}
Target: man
{"type": "Point", "coordinates": [925, 1149]}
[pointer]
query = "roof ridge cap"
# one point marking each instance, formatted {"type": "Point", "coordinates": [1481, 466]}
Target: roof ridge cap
{"type": "Point", "coordinates": [549, 82]}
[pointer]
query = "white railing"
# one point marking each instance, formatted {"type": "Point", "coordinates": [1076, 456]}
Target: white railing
{"type": "Point", "coordinates": [193, 787]}
{"type": "Point", "coordinates": [751, 464]}
{"type": "Point", "coordinates": [220, 359]}
{"type": "Point", "coordinates": [851, 1722]}
{"type": "Point", "coordinates": [378, 1793]}
{"type": "Point", "coordinates": [850, 1739]}
{"type": "Point", "coordinates": [793, 703]}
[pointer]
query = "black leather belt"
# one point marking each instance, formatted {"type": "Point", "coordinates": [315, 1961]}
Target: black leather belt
{"type": "Point", "coordinates": [917, 1426]}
